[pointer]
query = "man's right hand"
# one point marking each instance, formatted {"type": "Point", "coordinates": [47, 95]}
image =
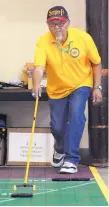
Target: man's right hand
{"type": "Point", "coordinates": [36, 92]}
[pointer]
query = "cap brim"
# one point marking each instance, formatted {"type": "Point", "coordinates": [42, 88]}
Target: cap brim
{"type": "Point", "coordinates": [63, 19]}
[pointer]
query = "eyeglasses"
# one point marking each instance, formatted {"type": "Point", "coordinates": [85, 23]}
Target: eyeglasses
{"type": "Point", "coordinates": [60, 24]}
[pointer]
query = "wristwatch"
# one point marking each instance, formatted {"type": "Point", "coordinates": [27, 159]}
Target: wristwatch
{"type": "Point", "coordinates": [98, 87]}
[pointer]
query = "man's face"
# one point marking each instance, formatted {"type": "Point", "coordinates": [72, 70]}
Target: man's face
{"type": "Point", "coordinates": [58, 27]}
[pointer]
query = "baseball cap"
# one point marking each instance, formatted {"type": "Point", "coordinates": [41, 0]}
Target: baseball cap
{"type": "Point", "coordinates": [57, 12]}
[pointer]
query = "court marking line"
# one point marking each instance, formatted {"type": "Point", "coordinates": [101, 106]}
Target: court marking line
{"type": "Point", "coordinates": [28, 182]}
{"type": "Point", "coordinates": [21, 179]}
{"type": "Point", "coordinates": [21, 187]}
{"type": "Point", "coordinates": [77, 185]}
{"type": "Point", "coordinates": [104, 189]}
{"type": "Point", "coordinates": [35, 181]}
{"type": "Point", "coordinates": [40, 189]}
{"type": "Point", "coordinates": [7, 200]}
{"type": "Point", "coordinates": [69, 187]}
{"type": "Point", "coordinates": [50, 191]}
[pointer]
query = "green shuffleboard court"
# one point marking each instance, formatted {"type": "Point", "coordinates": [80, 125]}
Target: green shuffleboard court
{"type": "Point", "coordinates": [50, 193]}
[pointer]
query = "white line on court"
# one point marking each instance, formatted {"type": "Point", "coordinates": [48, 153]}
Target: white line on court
{"type": "Point", "coordinates": [30, 180]}
{"type": "Point", "coordinates": [39, 189]}
{"type": "Point", "coordinates": [21, 181]}
{"type": "Point", "coordinates": [4, 194]}
{"type": "Point", "coordinates": [54, 190]}
{"type": "Point", "coordinates": [50, 191]}
{"type": "Point", "coordinates": [49, 180]}
{"type": "Point", "coordinates": [75, 186]}
{"type": "Point", "coordinates": [11, 199]}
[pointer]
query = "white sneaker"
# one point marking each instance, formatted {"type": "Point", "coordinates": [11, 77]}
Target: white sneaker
{"type": "Point", "coordinates": [58, 159]}
{"type": "Point", "coordinates": [68, 167]}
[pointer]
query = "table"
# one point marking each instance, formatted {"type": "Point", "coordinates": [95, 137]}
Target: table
{"type": "Point", "coordinates": [20, 94]}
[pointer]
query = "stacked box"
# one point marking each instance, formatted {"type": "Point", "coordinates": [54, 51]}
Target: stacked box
{"type": "Point", "coordinates": [18, 140]}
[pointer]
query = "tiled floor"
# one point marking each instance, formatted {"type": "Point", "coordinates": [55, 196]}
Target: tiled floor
{"type": "Point", "coordinates": [104, 173]}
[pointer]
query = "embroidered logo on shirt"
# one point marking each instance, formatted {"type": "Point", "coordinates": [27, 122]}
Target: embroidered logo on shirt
{"type": "Point", "coordinates": [74, 52]}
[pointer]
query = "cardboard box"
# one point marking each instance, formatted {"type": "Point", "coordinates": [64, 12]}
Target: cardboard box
{"type": "Point", "coordinates": [18, 143]}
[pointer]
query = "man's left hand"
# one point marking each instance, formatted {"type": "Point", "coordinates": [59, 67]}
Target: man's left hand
{"type": "Point", "coordinates": [97, 96]}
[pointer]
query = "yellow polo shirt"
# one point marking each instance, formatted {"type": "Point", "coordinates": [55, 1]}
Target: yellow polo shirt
{"type": "Point", "coordinates": [67, 66]}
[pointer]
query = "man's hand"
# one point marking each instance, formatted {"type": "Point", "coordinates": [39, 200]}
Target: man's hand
{"type": "Point", "coordinates": [97, 96]}
{"type": "Point", "coordinates": [36, 92]}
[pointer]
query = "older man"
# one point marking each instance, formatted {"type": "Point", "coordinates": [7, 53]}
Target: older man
{"type": "Point", "coordinates": [73, 67]}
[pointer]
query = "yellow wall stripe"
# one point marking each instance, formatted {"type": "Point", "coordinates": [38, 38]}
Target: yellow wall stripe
{"type": "Point", "coordinates": [100, 182]}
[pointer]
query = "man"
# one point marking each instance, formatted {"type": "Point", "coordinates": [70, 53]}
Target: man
{"type": "Point", "coordinates": [73, 67]}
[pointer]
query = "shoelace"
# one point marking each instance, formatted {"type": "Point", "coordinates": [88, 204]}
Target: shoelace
{"type": "Point", "coordinates": [68, 164]}
{"type": "Point", "coordinates": [57, 155]}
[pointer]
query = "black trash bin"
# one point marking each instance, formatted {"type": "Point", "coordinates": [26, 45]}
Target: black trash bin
{"type": "Point", "coordinates": [97, 27]}
{"type": "Point", "coordinates": [98, 126]}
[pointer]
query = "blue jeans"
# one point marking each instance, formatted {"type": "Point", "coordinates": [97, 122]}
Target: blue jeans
{"type": "Point", "coordinates": [68, 121]}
